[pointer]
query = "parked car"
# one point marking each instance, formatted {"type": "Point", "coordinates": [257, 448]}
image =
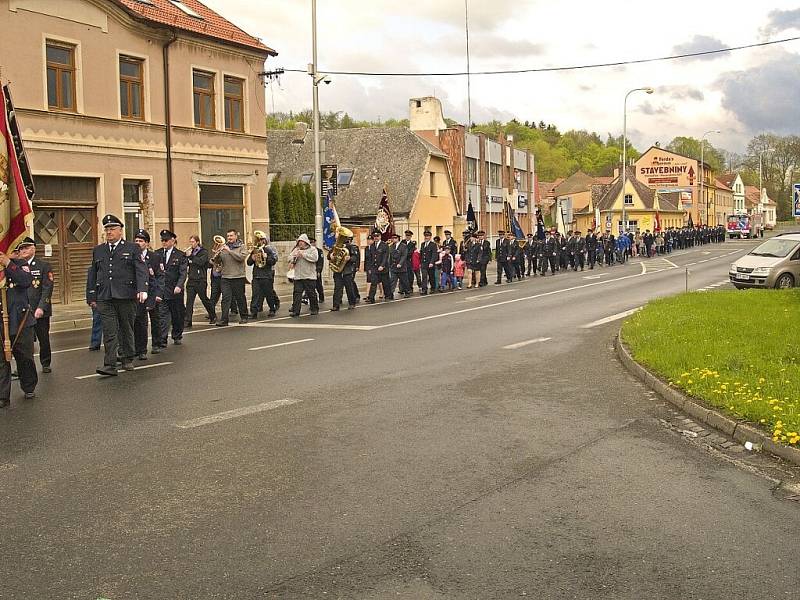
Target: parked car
{"type": "Point", "coordinates": [775, 263]}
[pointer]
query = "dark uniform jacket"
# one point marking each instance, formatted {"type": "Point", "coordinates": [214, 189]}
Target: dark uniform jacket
{"type": "Point", "coordinates": [428, 254]}
{"type": "Point", "coordinates": [352, 265]}
{"type": "Point", "coordinates": [380, 255]}
{"type": "Point", "coordinates": [551, 247]}
{"type": "Point", "coordinates": [19, 311]}
{"type": "Point", "coordinates": [175, 271]}
{"type": "Point", "coordinates": [40, 293]}
{"type": "Point", "coordinates": [397, 256]}
{"type": "Point", "coordinates": [320, 261]}
{"type": "Point", "coordinates": [155, 277]}
{"type": "Point", "coordinates": [410, 245]}
{"type": "Point", "coordinates": [268, 270]}
{"type": "Point", "coordinates": [451, 243]}
{"type": "Point", "coordinates": [198, 265]}
{"type": "Point", "coordinates": [591, 241]}
{"type": "Point", "coordinates": [484, 252]}
{"type": "Point", "coordinates": [116, 277]}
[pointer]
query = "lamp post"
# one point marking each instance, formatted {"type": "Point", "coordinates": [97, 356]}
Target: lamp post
{"type": "Point", "coordinates": [316, 79]}
{"type": "Point", "coordinates": [649, 90]}
{"type": "Point", "coordinates": [703, 167]}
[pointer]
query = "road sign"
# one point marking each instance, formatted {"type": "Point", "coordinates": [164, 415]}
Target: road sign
{"type": "Point", "coordinates": [329, 175]}
{"type": "Point", "coordinates": [796, 199]}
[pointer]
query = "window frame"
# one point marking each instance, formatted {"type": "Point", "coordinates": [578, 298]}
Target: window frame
{"type": "Point", "coordinates": [61, 68]}
{"type": "Point", "coordinates": [347, 173]}
{"type": "Point", "coordinates": [625, 199]}
{"type": "Point", "coordinates": [197, 118]}
{"type": "Point", "coordinates": [241, 99]}
{"type": "Point", "coordinates": [471, 168]}
{"type": "Point", "coordinates": [130, 81]}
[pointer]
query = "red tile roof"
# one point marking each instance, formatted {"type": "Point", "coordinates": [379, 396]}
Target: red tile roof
{"type": "Point", "coordinates": [211, 24]}
{"type": "Point", "coordinates": [722, 185]}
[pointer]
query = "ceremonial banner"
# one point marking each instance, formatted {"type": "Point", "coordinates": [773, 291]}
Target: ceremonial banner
{"type": "Point", "coordinates": [331, 221]}
{"type": "Point", "coordinates": [472, 221]}
{"type": "Point", "coordinates": [539, 224]}
{"type": "Point", "coordinates": [384, 221]}
{"type": "Point", "coordinates": [16, 184]}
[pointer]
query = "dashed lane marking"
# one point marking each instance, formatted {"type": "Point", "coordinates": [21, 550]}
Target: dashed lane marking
{"type": "Point", "coordinates": [283, 344]}
{"type": "Point", "coordinates": [141, 368]}
{"type": "Point", "coordinates": [526, 343]}
{"type": "Point", "coordinates": [481, 296]}
{"type": "Point", "coordinates": [612, 318]}
{"type": "Point", "coordinates": [316, 326]}
{"type": "Point", "coordinates": [236, 413]}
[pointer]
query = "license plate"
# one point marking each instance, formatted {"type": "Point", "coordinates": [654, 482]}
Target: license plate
{"type": "Point", "coordinates": [743, 277]}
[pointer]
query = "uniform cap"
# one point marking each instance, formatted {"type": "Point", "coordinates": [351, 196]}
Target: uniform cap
{"type": "Point", "coordinates": [26, 241]}
{"type": "Point", "coordinates": [141, 234]}
{"type": "Point", "coordinates": [166, 234]}
{"type": "Point", "coordinates": [112, 221]}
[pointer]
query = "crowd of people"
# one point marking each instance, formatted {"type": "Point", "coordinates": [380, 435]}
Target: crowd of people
{"type": "Point", "coordinates": [140, 295]}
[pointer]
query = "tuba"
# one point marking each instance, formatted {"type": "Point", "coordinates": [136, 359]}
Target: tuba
{"type": "Point", "coordinates": [339, 253]}
{"type": "Point", "coordinates": [257, 251]}
{"type": "Point", "coordinates": [216, 259]}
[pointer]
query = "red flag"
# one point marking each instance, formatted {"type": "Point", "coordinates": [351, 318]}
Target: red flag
{"type": "Point", "coordinates": [658, 222]}
{"type": "Point", "coordinates": [16, 212]}
{"type": "Point", "coordinates": [384, 221]}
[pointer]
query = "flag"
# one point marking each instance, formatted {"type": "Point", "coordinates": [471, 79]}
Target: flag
{"type": "Point", "coordinates": [16, 183]}
{"type": "Point", "coordinates": [511, 223]}
{"type": "Point", "coordinates": [539, 224]}
{"type": "Point", "coordinates": [657, 225]}
{"type": "Point", "coordinates": [331, 221]}
{"type": "Point", "coordinates": [689, 224]}
{"type": "Point", "coordinates": [596, 217]}
{"type": "Point", "coordinates": [384, 221]}
{"type": "Point", "coordinates": [472, 221]}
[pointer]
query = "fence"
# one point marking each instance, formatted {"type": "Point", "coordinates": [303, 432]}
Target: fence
{"type": "Point", "coordinates": [289, 232]}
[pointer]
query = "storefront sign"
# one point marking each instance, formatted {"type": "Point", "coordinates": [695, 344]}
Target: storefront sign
{"type": "Point", "coordinates": [329, 175]}
{"type": "Point", "coordinates": [667, 170]}
{"type": "Point", "coordinates": [796, 197]}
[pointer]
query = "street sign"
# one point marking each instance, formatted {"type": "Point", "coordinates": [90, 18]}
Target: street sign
{"type": "Point", "coordinates": [796, 199]}
{"type": "Point", "coordinates": [329, 175]}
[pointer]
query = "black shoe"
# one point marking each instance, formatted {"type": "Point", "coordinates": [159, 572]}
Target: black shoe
{"type": "Point", "coordinates": [4, 402]}
{"type": "Point", "coordinates": [30, 395]}
{"type": "Point", "coordinates": [47, 370]}
{"type": "Point", "coordinates": [142, 356]}
{"type": "Point", "coordinates": [222, 324]}
{"type": "Point", "coordinates": [370, 300]}
{"type": "Point", "coordinates": [177, 342]}
{"type": "Point", "coordinates": [351, 306]}
{"type": "Point", "coordinates": [294, 314]}
{"type": "Point", "coordinates": [314, 312]}
{"type": "Point", "coordinates": [127, 366]}
{"type": "Point", "coordinates": [94, 348]}
{"type": "Point", "coordinates": [212, 319]}
{"type": "Point", "coordinates": [334, 308]}
{"type": "Point", "coordinates": [243, 321]}
{"type": "Point", "coordinates": [254, 316]}
{"type": "Point", "coordinates": [109, 371]}
{"type": "Point", "coordinates": [187, 325]}
{"type": "Point", "coordinates": [156, 350]}
{"type": "Point", "coordinates": [271, 314]}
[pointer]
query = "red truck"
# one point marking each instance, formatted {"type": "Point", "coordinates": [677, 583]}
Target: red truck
{"type": "Point", "coordinates": [744, 226]}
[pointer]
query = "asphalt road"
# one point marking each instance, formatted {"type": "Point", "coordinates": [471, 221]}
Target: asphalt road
{"type": "Point", "coordinates": [479, 444]}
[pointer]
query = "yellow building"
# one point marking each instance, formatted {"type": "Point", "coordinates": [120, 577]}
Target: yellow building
{"type": "Point", "coordinates": [644, 209]}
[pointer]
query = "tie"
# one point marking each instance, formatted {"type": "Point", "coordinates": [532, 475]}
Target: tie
{"type": "Point", "coordinates": [112, 247]}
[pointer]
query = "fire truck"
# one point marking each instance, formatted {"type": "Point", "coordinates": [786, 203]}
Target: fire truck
{"type": "Point", "coordinates": [745, 226]}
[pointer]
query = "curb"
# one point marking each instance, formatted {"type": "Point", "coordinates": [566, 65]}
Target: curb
{"type": "Point", "coordinates": [739, 431]}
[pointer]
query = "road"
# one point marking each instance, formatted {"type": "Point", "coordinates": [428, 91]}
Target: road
{"type": "Point", "coordinates": [479, 444]}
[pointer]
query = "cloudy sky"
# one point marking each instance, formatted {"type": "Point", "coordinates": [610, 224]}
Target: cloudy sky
{"type": "Point", "coordinates": [740, 93]}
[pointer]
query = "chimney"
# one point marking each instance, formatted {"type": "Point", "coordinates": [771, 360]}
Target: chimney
{"type": "Point", "coordinates": [425, 114]}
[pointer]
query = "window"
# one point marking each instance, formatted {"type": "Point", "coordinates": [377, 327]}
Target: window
{"type": "Point", "coordinates": [204, 113]}
{"type": "Point", "coordinates": [628, 198]}
{"type": "Point", "coordinates": [472, 170]}
{"type": "Point", "coordinates": [60, 76]}
{"type": "Point", "coordinates": [306, 178]}
{"type": "Point", "coordinates": [345, 177]}
{"type": "Point", "coordinates": [131, 204]}
{"type": "Point", "coordinates": [221, 209]}
{"type": "Point", "coordinates": [433, 183]}
{"type": "Point", "coordinates": [180, 5]}
{"type": "Point", "coordinates": [234, 104]}
{"type": "Point", "coordinates": [131, 88]}
{"type": "Point", "coordinates": [494, 175]}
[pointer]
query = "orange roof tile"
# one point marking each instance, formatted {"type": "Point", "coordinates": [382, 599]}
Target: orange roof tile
{"type": "Point", "coordinates": [209, 24]}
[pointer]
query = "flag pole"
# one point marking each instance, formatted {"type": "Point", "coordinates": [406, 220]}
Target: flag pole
{"type": "Point", "coordinates": [6, 338]}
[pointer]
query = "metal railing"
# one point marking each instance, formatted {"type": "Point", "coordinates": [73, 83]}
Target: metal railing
{"type": "Point", "coordinates": [288, 232]}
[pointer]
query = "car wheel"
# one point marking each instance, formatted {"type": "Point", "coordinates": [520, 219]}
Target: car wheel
{"type": "Point", "coordinates": [785, 281]}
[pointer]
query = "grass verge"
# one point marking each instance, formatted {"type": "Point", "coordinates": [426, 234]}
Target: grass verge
{"type": "Point", "coordinates": [736, 350]}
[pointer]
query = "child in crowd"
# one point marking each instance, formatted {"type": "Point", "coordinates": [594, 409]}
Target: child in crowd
{"type": "Point", "coordinates": [459, 266]}
{"type": "Point", "coordinates": [445, 265]}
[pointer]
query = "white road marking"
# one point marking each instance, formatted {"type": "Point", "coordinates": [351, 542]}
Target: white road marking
{"type": "Point", "coordinates": [670, 262]}
{"type": "Point", "coordinates": [236, 413]}
{"type": "Point", "coordinates": [690, 264]}
{"type": "Point", "coordinates": [479, 296]}
{"type": "Point", "coordinates": [283, 344]}
{"type": "Point", "coordinates": [316, 326]}
{"type": "Point", "coordinates": [526, 343]}
{"type": "Point", "coordinates": [598, 276]}
{"type": "Point", "coordinates": [141, 368]}
{"type": "Point", "coordinates": [612, 318]}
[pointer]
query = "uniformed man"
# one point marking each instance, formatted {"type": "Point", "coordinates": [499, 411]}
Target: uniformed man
{"type": "Point", "coordinates": [498, 244]}
{"type": "Point", "coordinates": [116, 279]}
{"type": "Point", "coordinates": [40, 297]}
{"type": "Point", "coordinates": [380, 269]}
{"type": "Point", "coordinates": [197, 281]}
{"type": "Point", "coordinates": [579, 250]}
{"type": "Point", "coordinates": [591, 248]}
{"type": "Point", "coordinates": [428, 255]}
{"type": "Point", "coordinates": [171, 307]}
{"type": "Point", "coordinates": [397, 266]}
{"type": "Point", "coordinates": [551, 252]}
{"type": "Point", "coordinates": [147, 312]}
{"type": "Point", "coordinates": [20, 329]}
{"type": "Point", "coordinates": [345, 281]}
{"type": "Point", "coordinates": [263, 283]}
{"type": "Point", "coordinates": [411, 247]}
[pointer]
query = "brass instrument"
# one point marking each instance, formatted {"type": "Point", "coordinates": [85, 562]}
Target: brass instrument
{"type": "Point", "coordinates": [339, 253]}
{"type": "Point", "coordinates": [257, 249]}
{"type": "Point", "coordinates": [216, 250]}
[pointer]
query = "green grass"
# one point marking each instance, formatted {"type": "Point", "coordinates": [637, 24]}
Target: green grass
{"type": "Point", "coordinates": [737, 350]}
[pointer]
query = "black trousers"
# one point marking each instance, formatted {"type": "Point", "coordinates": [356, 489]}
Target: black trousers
{"type": "Point", "coordinates": [171, 315]}
{"type": "Point", "coordinates": [500, 270]}
{"type": "Point", "coordinates": [344, 282]}
{"type": "Point", "coordinates": [118, 317]}
{"type": "Point", "coordinates": [428, 279]}
{"type": "Point", "coordinates": [22, 349]}
{"type": "Point", "coordinates": [592, 255]}
{"type": "Point", "coordinates": [233, 293]}
{"type": "Point", "coordinates": [399, 279]}
{"type": "Point", "coordinates": [216, 292]}
{"type": "Point", "coordinates": [508, 269]}
{"type": "Point", "coordinates": [382, 278]}
{"type": "Point", "coordinates": [579, 260]}
{"type": "Point", "coordinates": [140, 332]}
{"type": "Point", "coordinates": [309, 288]}
{"type": "Point", "coordinates": [531, 265]}
{"type": "Point", "coordinates": [198, 288]}
{"type": "Point", "coordinates": [320, 288]}
{"type": "Point", "coordinates": [264, 289]}
{"type": "Point", "coordinates": [553, 260]}
{"type": "Point", "coordinates": [409, 278]}
{"type": "Point", "coordinates": [42, 332]}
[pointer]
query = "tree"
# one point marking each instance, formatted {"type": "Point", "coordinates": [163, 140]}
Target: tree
{"type": "Point", "coordinates": [287, 201]}
{"type": "Point", "coordinates": [689, 146]}
{"type": "Point", "coordinates": [275, 199]}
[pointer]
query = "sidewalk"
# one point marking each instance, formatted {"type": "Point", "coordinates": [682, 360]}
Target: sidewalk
{"type": "Point", "coordinates": [68, 317]}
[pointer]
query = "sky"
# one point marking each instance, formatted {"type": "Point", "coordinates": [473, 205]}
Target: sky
{"type": "Point", "coordinates": [740, 93]}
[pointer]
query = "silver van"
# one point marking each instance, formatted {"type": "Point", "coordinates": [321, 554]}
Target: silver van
{"type": "Point", "coordinates": [775, 263]}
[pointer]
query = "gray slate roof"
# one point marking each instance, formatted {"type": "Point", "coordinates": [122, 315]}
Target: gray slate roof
{"type": "Point", "coordinates": [615, 189]}
{"type": "Point", "coordinates": [393, 156]}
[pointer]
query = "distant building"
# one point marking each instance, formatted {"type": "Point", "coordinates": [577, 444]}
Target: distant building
{"type": "Point", "coordinates": [414, 172]}
{"type": "Point", "coordinates": [735, 183]}
{"type": "Point", "coordinates": [149, 109]}
{"type": "Point", "coordinates": [758, 202]}
{"type": "Point", "coordinates": [722, 202]}
{"type": "Point", "coordinates": [573, 195]}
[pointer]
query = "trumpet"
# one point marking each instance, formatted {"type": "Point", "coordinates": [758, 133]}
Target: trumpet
{"type": "Point", "coordinates": [257, 249]}
{"type": "Point", "coordinates": [216, 250]}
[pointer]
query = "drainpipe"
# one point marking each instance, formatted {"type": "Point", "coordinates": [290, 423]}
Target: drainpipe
{"type": "Point", "coordinates": [168, 126]}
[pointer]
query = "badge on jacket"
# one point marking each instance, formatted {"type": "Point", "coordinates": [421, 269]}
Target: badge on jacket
{"type": "Point", "coordinates": [35, 283]}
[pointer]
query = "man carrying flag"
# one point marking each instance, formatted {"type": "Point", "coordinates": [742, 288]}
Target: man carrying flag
{"type": "Point", "coordinates": [472, 221]}
{"type": "Point", "coordinates": [384, 221]}
{"type": "Point", "coordinates": [16, 217]}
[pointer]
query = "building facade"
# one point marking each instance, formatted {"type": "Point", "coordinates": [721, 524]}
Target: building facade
{"type": "Point", "coordinates": [152, 110]}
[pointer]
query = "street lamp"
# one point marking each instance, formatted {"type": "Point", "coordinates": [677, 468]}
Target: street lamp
{"type": "Point", "coordinates": [316, 79]}
{"type": "Point", "coordinates": [649, 90]}
{"type": "Point", "coordinates": [702, 167]}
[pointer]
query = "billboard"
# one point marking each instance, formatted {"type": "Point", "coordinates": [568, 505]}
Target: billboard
{"type": "Point", "coordinates": [796, 199]}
